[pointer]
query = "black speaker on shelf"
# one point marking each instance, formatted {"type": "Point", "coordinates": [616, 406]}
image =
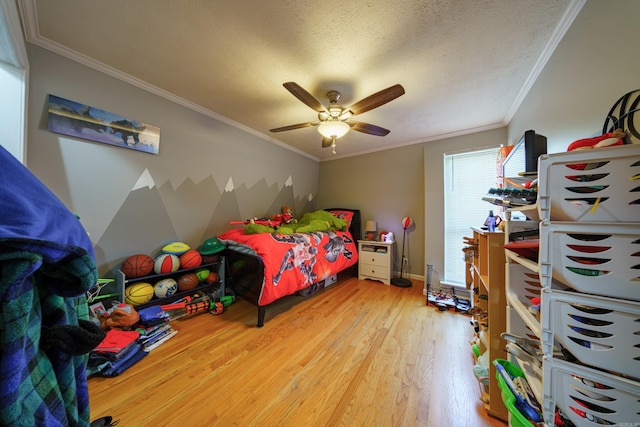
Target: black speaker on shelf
{"type": "Point", "coordinates": [534, 146]}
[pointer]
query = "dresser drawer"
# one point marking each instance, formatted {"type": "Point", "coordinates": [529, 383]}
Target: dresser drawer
{"type": "Point", "coordinates": [373, 258]}
{"type": "Point", "coordinates": [368, 270]}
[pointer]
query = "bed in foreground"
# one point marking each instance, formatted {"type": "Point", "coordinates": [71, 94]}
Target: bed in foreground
{"type": "Point", "coordinates": [265, 267]}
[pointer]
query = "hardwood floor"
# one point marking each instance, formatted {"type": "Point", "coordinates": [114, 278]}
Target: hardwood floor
{"type": "Point", "coordinates": [359, 353]}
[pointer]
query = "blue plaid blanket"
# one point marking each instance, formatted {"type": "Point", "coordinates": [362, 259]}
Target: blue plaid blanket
{"type": "Point", "coordinates": [46, 266]}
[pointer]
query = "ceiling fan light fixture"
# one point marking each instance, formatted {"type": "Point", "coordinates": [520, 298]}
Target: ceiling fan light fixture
{"type": "Point", "coordinates": [333, 128]}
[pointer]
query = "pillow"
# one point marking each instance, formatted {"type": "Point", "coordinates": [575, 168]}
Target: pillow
{"type": "Point", "coordinates": [346, 215]}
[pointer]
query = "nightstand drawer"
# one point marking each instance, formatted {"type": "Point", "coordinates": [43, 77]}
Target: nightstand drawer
{"type": "Point", "coordinates": [381, 272]}
{"type": "Point", "coordinates": [374, 258]}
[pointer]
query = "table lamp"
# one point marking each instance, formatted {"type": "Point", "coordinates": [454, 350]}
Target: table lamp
{"type": "Point", "coordinates": [370, 230]}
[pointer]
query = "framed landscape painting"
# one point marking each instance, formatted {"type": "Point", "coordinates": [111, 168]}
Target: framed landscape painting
{"type": "Point", "coordinates": [82, 121]}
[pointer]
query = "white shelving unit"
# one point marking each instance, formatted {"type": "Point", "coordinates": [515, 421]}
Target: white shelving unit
{"type": "Point", "coordinates": [588, 327]}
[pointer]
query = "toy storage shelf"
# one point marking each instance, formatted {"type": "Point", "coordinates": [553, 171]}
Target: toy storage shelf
{"type": "Point", "coordinates": [488, 279]}
{"type": "Point", "coordinates": [217, 287]}
{"type": "Point", "coordinates": [589, 237]}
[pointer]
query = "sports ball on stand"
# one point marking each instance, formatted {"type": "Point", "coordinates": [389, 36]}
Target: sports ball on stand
{"type": "Point", "coordinates": [176, 248]}
{"type": "Point", "coordinates": [187, 281]}
{"type": "Point", "coordinates": [137, 266]}
{"type": "Point", "coordinates": [138, 293]}
{"type": "Point", "coordinates": [212, 277]}
{"type": "Point", "coordinates": [165, 288]}
{"type": "Point", "coordinates": [406, 222]}
{"type": "Point", "coordinates": [166, 263]}
{"type": "Point", "coordinates": [190, 259]}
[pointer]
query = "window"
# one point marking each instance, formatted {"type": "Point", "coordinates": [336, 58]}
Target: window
{"type": "Point", "coordinates": [467, 178]}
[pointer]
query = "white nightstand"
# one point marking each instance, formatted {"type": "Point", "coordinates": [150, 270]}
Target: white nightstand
{"type": "Point", "coordinates": [375, 260]}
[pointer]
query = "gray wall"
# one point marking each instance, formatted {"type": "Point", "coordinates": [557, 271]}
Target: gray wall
{"type": "Point", "coordinates": [386, 186]}
{"type": "Point", "coordinates": [206, 174]}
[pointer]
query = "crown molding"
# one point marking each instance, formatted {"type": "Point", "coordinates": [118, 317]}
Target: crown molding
{"type": "Point", "coordinates": [563, 26]}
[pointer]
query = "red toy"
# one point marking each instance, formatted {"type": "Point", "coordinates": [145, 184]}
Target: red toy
{"type": "Point", "coordinates": [607, 140]}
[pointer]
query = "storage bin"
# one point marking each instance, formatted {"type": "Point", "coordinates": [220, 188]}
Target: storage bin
{"type": "Point", "coordinates": [598, 331]}
{"type": "Point", "coordinates": [523, 285]}
{"type": "Point", "coordinates": [588, 397]}
{"type": "Point", "coordinates": [598, 185]}
{"type": "Point", "coordinates": [508, 398]}
{"type": "Point", "coordinates": [595, 258]}
{"type": "Point", "coordinates": [531, 370]}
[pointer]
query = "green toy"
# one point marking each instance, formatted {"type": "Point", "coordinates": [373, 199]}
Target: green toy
{"type": "Point", "coordinates": [313, 221]}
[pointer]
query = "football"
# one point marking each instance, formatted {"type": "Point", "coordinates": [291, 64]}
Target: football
{"type": "Point", "coordinates": [176, 248]}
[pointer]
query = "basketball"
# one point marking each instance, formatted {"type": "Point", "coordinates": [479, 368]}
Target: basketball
{"type": "Point", "coordinates": [190, 259]}
{"type": "Point", "coordinates": [166, 263]}
{"type": "Point", "coordinates": [188, 281]}
{"type": "Point", "coordinates": [165, 288]}
{"type": "Point", "coordinates": [138, 293]}
{"type": "Point", "coordinates": [176, 248]}
{"type": "Point", "coordinates": [212, 277]}
{"type": "Point", "coordinates": [137, 266]}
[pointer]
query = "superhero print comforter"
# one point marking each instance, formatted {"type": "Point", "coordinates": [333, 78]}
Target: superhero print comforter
{"type": "Point", "coordinates": [294, 262]}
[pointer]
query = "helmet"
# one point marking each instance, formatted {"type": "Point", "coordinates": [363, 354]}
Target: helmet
{"type": "Point", "coordinates": [212, 246]}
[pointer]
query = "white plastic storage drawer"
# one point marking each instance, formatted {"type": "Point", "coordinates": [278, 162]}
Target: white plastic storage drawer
{"type": "Point", "coordinates": [601, 259]}
{"type": "Point", "coordinates": [588, 397]}
{"type": "Point", "coordinates": [597, 185]}
{"type": "Point", "coordinates": [598, 331]}
{"type": "Point", "coordinates": [532, 371]}
{"type": "Point", "coordinates": [523, 285]}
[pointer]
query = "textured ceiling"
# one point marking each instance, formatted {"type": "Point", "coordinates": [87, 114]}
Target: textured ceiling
{"type": "Point", "coordinates": [465, 64]}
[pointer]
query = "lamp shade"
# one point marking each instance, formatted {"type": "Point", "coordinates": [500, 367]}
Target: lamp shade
{"type": "Point", "coordinates": [370, 226]}
{"type": "Point", "coordinates": [333, 128]}
{"type": "Point", "coordinates": [406, 222]}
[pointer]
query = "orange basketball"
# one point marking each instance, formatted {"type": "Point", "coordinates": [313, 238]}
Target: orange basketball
{"type": "Point", "coordinates": [137, 266]}
{"type": "Point", "coordinates": [190, 259]}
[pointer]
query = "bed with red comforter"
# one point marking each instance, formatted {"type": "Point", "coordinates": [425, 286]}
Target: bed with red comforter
{"type": "Point", "coordinates": [268, 266]}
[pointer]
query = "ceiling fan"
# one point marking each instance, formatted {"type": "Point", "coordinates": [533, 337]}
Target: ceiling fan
{"type": "Point", "coordinates": [334, 121]}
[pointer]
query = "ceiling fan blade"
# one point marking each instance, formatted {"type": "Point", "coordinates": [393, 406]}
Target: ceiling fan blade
{"type": "Point", "coordinates": [304, 96]}
{"type": "Point", "coordinates": [368, 128]}
{"type": "Point", "coordinates": [377, 99]}
{"type": "Point", "coordinates": [292, 127]}
{"type": "Point", "coordinates": [326, 142]}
